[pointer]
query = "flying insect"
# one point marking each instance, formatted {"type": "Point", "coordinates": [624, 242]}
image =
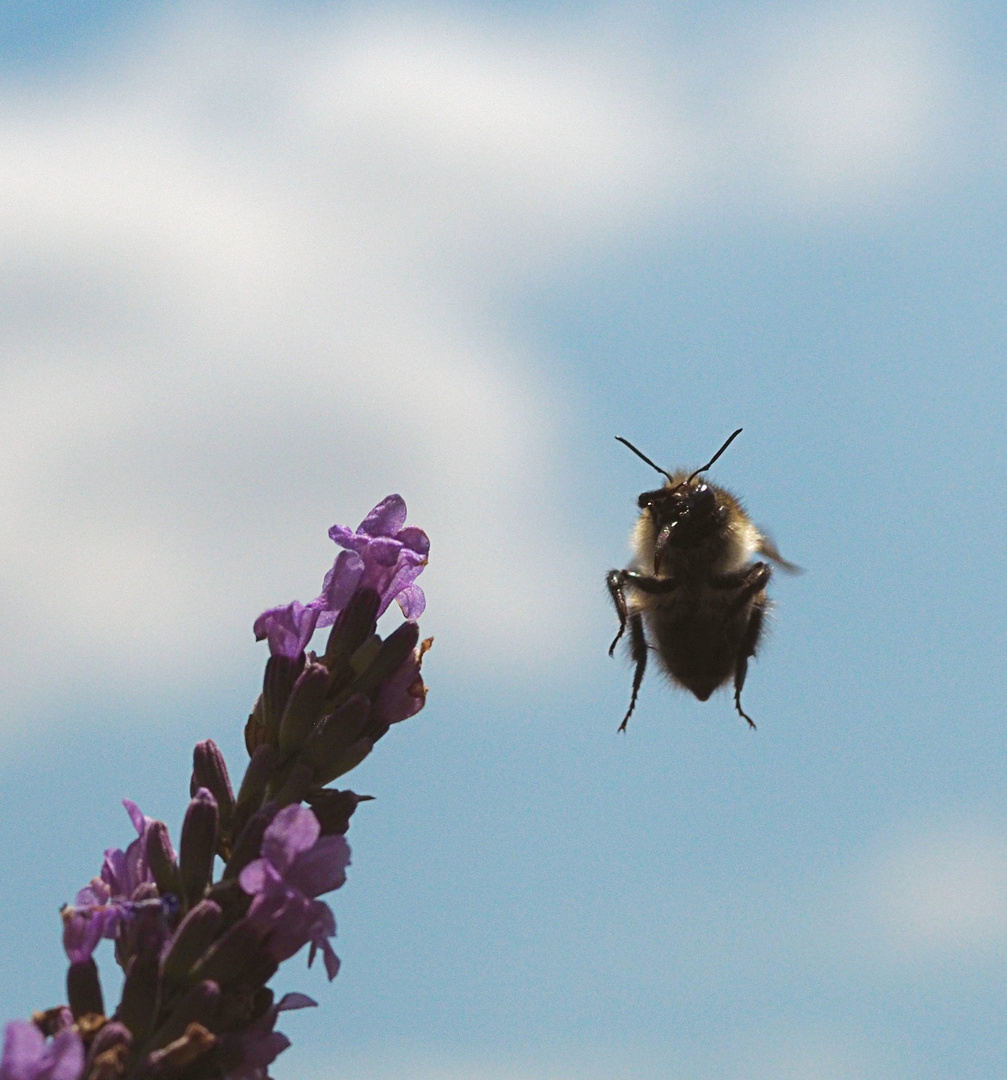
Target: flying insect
{"type": "Point", "coordinates": [693, 593]}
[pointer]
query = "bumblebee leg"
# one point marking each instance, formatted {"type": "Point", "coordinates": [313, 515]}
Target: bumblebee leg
{"type": "Point", "coordinates": [615, 582]}
{"type": "Point", "coordinates": [749, 579]}
{"type": "Point", "coordinates": [748, 645]}
{"type": "Point", "coordinates": [653, 585]}
{"type": "Point", "coordinates": [757, 581]}
{"type": "Point", "coordinates": [638, 651]}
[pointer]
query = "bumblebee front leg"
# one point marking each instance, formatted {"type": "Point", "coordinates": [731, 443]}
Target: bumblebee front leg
{"type": "Point", "coordinates": [615, 583]}
{"type": "Point", "coordinates": [617, 580]}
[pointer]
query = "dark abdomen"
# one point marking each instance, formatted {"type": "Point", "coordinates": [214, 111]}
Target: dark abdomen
{"type": "Point", "coordinates": [698, 643]}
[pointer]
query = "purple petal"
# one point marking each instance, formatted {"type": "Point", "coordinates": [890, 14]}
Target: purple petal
{"type": "Point", "coordinates": [415, 540]}
{"type": "Point", "coordinates": [23, 1048]}
{"type": "Point", "coordinates": [258, 1053]}
{"type": "Point", "coordinates": [288, 628]}
{"type": "Point", "coordinates": [390, 583]}
{"type": "Point", "coordinates": [27, 1057]}
{"type": "Point", "coordinates": [136, 815]}
{"type": "Point", "coordinates": [386, 519]}
{"type": "Point", "coordinates": [67, 1054]}
{"type": "Point", "coordinates": [82, 930]}
{"type": "Point", "coordinates": [331, 961]}
{"type": "Point", "coordinates": [294, 1000]}
{"type": "Point", "coordinates": [136, 868]}
{"type": "Point", "coordinates": [94, 895]}
{"type": "Point", "coordinates": [384, 551]}
{"type": "Point", "coordinates": [339, 585]}
{"type": "Point", "coordinates": [345, 537]}
{"type": "Point", "coordinates": [259, 875]}
{"type": "Point", "coordinates": [322, 868]}
{"type": "Point", "coordinates": [412, 601]}
{"type": "Point", "coordinates": [114, 872]}
{"type": "Point", "coordinates": [293, 830]}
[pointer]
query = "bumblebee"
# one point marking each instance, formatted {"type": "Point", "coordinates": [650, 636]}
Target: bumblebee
{"type": "Point", "coordinates": [692, 592]}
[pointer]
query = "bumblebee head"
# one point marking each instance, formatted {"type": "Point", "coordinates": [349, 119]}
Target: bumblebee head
{"type": "Point", "coordinates": [685, 512]}
{"type": "Point", "coordinates": [684, 515]}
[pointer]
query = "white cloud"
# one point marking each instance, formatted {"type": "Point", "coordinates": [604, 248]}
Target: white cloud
{"type": "Point", "coordinates": [943, 893]}
{"type": "Point", "coordinates": [922, 898]}
{"type": "Point", "coordinates": [844, 107]}
{"type": "Point", "coordinates": [238, 267]}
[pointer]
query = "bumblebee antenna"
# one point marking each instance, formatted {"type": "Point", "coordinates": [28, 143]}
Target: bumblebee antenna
{"type": "Point", "coordinates": [711, 461]}
{"type": "Point", "coordinates": [657, 468]}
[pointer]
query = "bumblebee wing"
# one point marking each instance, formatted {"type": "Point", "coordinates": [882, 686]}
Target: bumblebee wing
{"type": "Point", "coordinates": [768, 548]}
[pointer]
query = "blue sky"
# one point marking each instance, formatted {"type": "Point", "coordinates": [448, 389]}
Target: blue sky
{"type": "Point", "coordinates": [262, 265]}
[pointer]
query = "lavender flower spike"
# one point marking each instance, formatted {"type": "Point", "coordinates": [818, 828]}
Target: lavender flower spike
{"type": "Point", "coordinates": [297, 865]}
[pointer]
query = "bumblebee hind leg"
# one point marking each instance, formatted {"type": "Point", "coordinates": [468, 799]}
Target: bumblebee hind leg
{"type": "Point", "coordinates": [638, 652]}
{"type": "Point", "coordinates": [748, 646]}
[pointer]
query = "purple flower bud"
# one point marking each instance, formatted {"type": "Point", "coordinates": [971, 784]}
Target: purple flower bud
{"type": "Point", "coordinates": [161, 860]}
{"type": "Point", "coordinates": [83, 989]}
{"type": "Point", "coordinates": [198, 1006]}
{"type": "Point", "coordinates": [403, 694]}
{"type": "Point", "coordinates": [336, 734]}
{"type": "Point", "coordinates": [237, 954]}
{"type": "Point", "coordinates": [195, 934]}
{"type": "Point", "coordinates": [356, 623]}
{"type": "Point", "coordinates": [144, 927]}
{"type": "Point", "coordinates": [209, 770]}
{"type": "Point", "coordinates": [391, 654]}
{"type": "Point", "coordinates": [28, 1056]}
{"type": "Point", "coordinates": [253, 787]}
{"type": "Point", "coordinates": [109, 1051]}
{"type": "Point", "coordinates": [140, 988]}
{"type": "Point", "coordinates": [304, 707]}
{"type": "Point", "coordinates": [112, 1034]}
{"type": "Point", "coordinates": [295, 788]}
{"type": "Point", "coordinates": [198, 846]}
{"type": "Point", "coordinates": [278, 681]}
{"type": "Point", "coordinates": [334, 809]}
{"type": "Point", "coordinates": [346, 761]}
